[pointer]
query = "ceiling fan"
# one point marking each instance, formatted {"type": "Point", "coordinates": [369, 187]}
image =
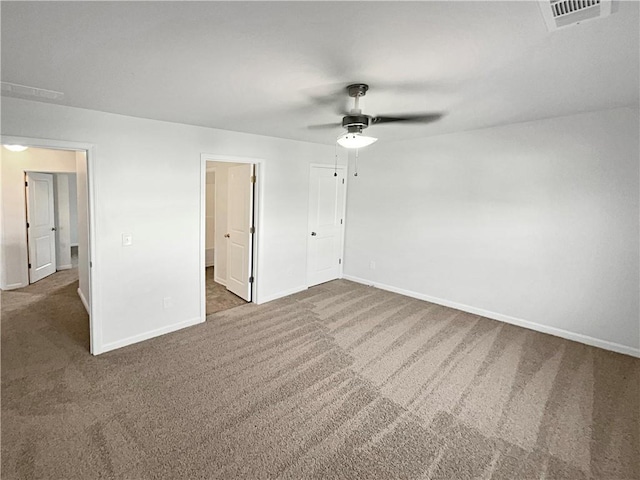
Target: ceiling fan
{"type": "Point", "coordinates": [355, 121]}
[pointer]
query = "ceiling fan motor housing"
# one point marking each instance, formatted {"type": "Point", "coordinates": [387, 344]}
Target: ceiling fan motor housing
{"type": "Point", "coordinates": [355, 121]}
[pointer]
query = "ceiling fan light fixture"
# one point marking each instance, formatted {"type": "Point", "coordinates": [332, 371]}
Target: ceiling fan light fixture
{"type": "Point", "coordinates": [15, 148]}
{"type": "Point", "coordinates": [355, 140]}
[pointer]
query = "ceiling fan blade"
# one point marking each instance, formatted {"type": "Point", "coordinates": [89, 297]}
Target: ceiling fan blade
{"type": "Point", "coordinates": [324, 126]}
{"type": "Point", "coordinates": [417, 118]}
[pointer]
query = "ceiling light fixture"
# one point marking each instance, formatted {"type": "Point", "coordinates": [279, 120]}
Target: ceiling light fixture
{"type": "Point", "coordinates": [15, 148]}
{"type": "Point", "coordinates": [355, 121]}
{"type": "Point", "coordinates": [355, 140]}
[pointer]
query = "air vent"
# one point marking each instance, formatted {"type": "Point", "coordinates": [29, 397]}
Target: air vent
{"type": "Point", "coordinates": [562, 13]}
{"type": "Point", "coordinates": [16, 90]}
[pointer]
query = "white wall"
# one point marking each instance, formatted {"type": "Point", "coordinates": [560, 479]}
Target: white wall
{"type": "Point", "coordinates": [537, 221]}
{"type": "Point", "coordinates": [14, 271]}
{"type": "Point", "coordinates": [210, 224]}
{"type": "Point", "coordinates": [147, 183]}
{"type": "Point", "coordinates": [62, 221]}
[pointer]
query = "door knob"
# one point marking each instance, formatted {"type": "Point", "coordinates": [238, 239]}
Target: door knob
{"type": "Point", "coordinates": [226, 235]}
{"type": "Point", "coordinates": [53, 229]}
{"type": "Point", "coordinates": [313, 234]}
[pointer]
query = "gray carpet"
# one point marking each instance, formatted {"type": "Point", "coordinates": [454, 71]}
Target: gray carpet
{"type": "Point", "coordinates": [340, 381]}
{"type": "Point", "coordinates": [218, 297]}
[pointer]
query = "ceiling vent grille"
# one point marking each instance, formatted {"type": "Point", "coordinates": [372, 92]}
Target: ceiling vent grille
{"type": "Point", "coordinates": [17, 90]}
{"type": "Point", "coordinates": [562, 13]}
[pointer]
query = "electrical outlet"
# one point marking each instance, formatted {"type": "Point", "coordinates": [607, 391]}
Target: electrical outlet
{"type": "Point", "coordinates": [372, 265]}
{"type": "Point", "coordinates": [167, 302]}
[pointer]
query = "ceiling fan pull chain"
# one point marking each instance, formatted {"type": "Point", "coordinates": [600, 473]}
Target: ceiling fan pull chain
{"type": "Point", "coordinates": [356, 167]}
{"type": "Point", "coordinates": [335, 172]}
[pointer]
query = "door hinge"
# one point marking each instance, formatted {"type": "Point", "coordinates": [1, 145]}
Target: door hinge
{"type": "Point", "coordinates": [252, 230]}
{"type": "Point", "coordinates": [29, 265]}
{"type": "Point", "coordinates": [253, 179]}
{"type": "Point", "coordinates": [90, 264]}
{"type": "Point", "coordinates": [26, 184]}
{"type": "Point", "coordinates": [340, 221]}
{"type": "Point", "coordinates": [250, 279]}
{"type": "Point", "coordinates": [27, 224]}
{"type": "Point", "coordinates": [339, 261]}
{"type": "Point", "coordinates": [343, 181]}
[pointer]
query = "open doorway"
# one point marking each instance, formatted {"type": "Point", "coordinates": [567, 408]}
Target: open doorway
{"type": "Point", "coordinates": [229, 214]}
{"type": "Point", "coordinates": [51, 220]}
{"type": "Point", "coordinates": [47, 231]}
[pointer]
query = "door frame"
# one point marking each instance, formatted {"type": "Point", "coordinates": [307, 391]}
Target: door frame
{"type": "Point", "coordinates": [258, 197]}
{"type": "Point", "coordinates": [344, 213]}
{"type": "Point", "coordinates": [95, 321]}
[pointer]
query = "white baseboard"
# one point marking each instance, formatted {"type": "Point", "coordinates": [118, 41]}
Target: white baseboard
{"type": "Point", "coordinates": [558, 332]}
{"type": "Point", "coordinates": [147, 335]}
{"type": "Point", "coordinates": [278, 295]}
{"type": "Point", "coordinates": [219, 280]}
{"type": "Point", "coordinates": [73, 244]}
{"type": "Point", "coordinates": [84, 301]}
{"type": "Point", "coordinates": [13, 286]}
{"type": "Point", "coordinates": [64, 267]}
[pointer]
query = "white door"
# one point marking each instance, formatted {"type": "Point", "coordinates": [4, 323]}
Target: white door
{"type": "Point", "coordinates": [239, 234]}
{"type": "Point", "coordinates": [41, 230]}
{"type": "Point", "coordinates": [326, 224]}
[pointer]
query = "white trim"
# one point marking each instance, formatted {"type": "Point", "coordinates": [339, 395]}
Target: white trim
{"type": "Point", "coordinates": [218, 279]}
{"type": "Point", "coordinates": [286, 293]}
{"type": "Point", "coordinates": [558, 332]}
{"type": "Point", "coordinates": [84, 300]}
{"type": "Point", "coordinates": [95, 320]}
{"type": "Point", "coordinates": [203, 239]}
{"type": "Point", "coordinates": [152, 334]}
{"type": "Point", "coordinates": [258, 215]}
{"type": "Point", "coordinates": [13, 286]}
{"type": "Point", "coordinates": [73, 244]}
{"type": "Point", "coordinates": [344, 220]}
{"type": "Point", "coordinates": [64, 267]}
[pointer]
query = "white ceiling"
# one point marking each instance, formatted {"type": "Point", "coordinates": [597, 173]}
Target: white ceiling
{"type": "Point", "coordinates": [256, 66]}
